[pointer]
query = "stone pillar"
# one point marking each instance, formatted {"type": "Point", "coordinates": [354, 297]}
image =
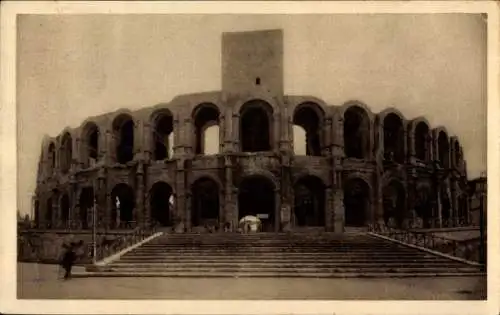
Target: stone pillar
{"type": "Point", "coordinates": [227, 130]}
{"type": "Point", "coordinates": [180, 195]}
{"type": "Point", "coordinates": [277, 212]}
{"type": "Point", "coordinates": [337, 136]}
{"type": "Point", "coordinates": [454, 202]}
{"type": "Point", "coordinates": [177, 137]}
{"type": "Point", "coordinates": [329, 209]}
{"type": "Point", "coordinates": [338, 208]}
{"type": "Point", "coordinates": [276, 134]}
{"type": "Point", "coordinates": [439, 208]}
{"type": "Point", "coordinates": [286, 192]}
{"type": "Point", "coordinates": [230, 215]}
{"type": "Point", "coordinates": [410, 140]}
{"type": "Point", "coordinates": [235, 135]}
{"type": "Point", "coordinates": [55, 211]}
{"type": "Point", "coordinates": [139, 209]}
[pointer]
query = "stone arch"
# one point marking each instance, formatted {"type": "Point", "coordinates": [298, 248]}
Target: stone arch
{"type": "Point", "coordinates": [86, 203]}
{"type": "Point", "coordinates": [123, 132]}
{"type": "Point", "coordinates": [205, 116]}
{"type": "Point", "coordinates": [310, 116]}
{"type": "Point", "coordinates": [52, 156]}
{"type": "Point", "coordinates": [90, 144]}
{"type": "Point", "coordinates": [421, 138]}
{"type": "Point", "coordinates": [356, 201]}
{"type": "Point", "coordinates": [160, 201]}
{"type": "Point", "coordinates": [394, 137]}
{"type": "Point", "coordinates": [65, 208]}
{"type": "Point", "coordinates": [262, 173]}
{"type": "Point", "coordinates": [256, 126]}
{"type": "Point", "coordinates": [123, 205]}
{"type": "Point", "coordinates": [66, 152]}
{"type": "Point", "coordinates": [309, 201]}
{"type": "Point", "coordinates": [205, 200]}
{"type": "Point", "coordinates": [394, 203]}
{"type": "Point", "coordinates": [443, 148]}
{"type": "Point", "coordinates": [162, 128]}
{"type": "Point", "coordinates": [356, 132]}
{"type": "Point", "coordinates": [262, 186]}
{"type": "Point", "coordinates": [49, 210]}
{"type": "Point", "coordinates": [457, 153]}
{"type": "Point", "coordinates": [37, 213]}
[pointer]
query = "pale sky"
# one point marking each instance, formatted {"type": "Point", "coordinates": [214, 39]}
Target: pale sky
{"type": "Point", "coordinates": [72, 67]}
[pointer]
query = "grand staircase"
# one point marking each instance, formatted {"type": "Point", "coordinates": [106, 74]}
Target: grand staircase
{"type": "Point", "coordinates": [278, 255]}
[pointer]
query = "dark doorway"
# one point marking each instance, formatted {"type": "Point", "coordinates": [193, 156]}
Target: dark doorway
{"type": "Point", "coordinates": [394, 138]}
{"type": "Point", "coordinates": [160, 204]}
{"type": "Point", "coordinates": [255, 126]}
{"type": "Point", "coordinates": [309, 116]}
{"type": "Point", "coordinates": [356, 133]}
{"type": "Point", "coordinates": [65, 209]}
{"type": "Point", "coordinates": [309, 206]}
{"type": "Point", "coordinates": [49, 213]}
{"type": "Point", "coordinates": [37, 214]}
{"type": "Point", "coordinates": [205, 202]}
{"type": "Point", "coordinates": [444, 149]}
{"type": "Point", "coordinates": [123, 204]}
{"type": "Point", "coordinates": [256, 196]}
{"type": "Point", "coordinates": [422, 141]}
{"type": "Point", "coordinates": [163, 126]}
{"type": "Point", "coordinates": [86, 205]}
{"type": "Point", "coordinates": [356, 202]}
{"type": "Point", "coordinates": [205, 116]}
{"type": "Point", "coordinates": [66, 152]}
{"type": "Point", "coordinates": [123, 127]}
{"type": "Point", "coordinates": [394, 202]}
{"type": "Point", "coordinates": [423, 206]}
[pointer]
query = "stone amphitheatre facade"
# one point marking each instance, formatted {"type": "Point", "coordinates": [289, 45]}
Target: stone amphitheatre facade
{"type": "Point", "coordinates": [360, 168]}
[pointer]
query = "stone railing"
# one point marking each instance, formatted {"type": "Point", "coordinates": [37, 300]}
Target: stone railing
{"type": "Point", "coordinates": [468, 249]}
{"type": "Point", "coordinates": [47, 246]}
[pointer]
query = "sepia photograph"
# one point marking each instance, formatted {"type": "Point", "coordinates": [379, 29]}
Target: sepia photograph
{"type": "Point", "coordinates": [206, 157]}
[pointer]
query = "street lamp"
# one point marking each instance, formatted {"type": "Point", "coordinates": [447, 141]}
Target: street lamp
{"type": "Point", "coordinates": [482, 226]}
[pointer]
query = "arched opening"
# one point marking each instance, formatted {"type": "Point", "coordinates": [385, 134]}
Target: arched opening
{"type": "Point", "coordinates": [356, 202]}
{"type": "Point", "coordinates": [123, 128]}
{"type": "Point", "coordinates": [256, 198]}
{"type": "Point", "coordinates": [206, 123]}
{"type": "Point", "coordinates": [422, 141]}
{"type": "Point", "coordinates": [309, 205]}
{"type": "Point", "coordinates": [205, 202]}
{"type": "Point", "coordinates": [423, 205]}
{"type": "Point", "coordinates": [462, 210]}
{"type": "Point", "coordinates": [123, 204]}
{"type": "Point", "coordinates": [49, 213]}
{"type": "Point", "coordinates": [310, 117]}
{"type": "Point", "coordinates": [86, 206]}
{"type": "Point", "coordinates": [90, 145]}
{"type": "Point", "coordinates": [160, 205]}
{"type": "Point", "coordinates": [52, 157]}
{"type": "Point", "coordinates": [394, 149]}
{"type": "Point", "coordinates": [356, 133]}
{"type": "Point", "coordinates": [394, 202]}
{"type": "Point", "coordinates": [458, 154]}
{"type": "Point", "coordinates": [299, 141]}
{"type": "Point", "coordinates": [65, 209]}
{"type": "Point", "coordinates": [37, 213]}
{"type": "Point", "coordinates": [66, 152]}
{"type": "Point", "coordinates": [163, 127]}
{"type": "Point", "coordinates": [444, 149]}
{"type": "Point", "coordinates": [445, 206]}
{"type": "Point", "coordinates": [255, 126]}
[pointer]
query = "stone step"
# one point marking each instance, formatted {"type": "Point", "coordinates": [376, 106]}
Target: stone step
{"type": "Point", "coordinates": [233, 269]}
{"type": "Point", "coordinates": [279, 260]}
{"type": "Point", "coordinates": [270, 251]}
{"type": "Point", "coordinates": [274, 274]}
{"type": "Point", "coordinates": [282, 264]}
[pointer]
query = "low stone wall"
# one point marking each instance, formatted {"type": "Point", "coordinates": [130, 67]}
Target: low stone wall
{"type": "Point", "coordinates": [46, 246]}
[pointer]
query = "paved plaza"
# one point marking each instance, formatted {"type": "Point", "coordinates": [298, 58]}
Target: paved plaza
{"type": "Point", "coordinates": [48, 286]}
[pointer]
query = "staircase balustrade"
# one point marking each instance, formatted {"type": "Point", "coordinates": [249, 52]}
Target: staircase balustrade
{"type": "Point", "coordinates": [466, 249]}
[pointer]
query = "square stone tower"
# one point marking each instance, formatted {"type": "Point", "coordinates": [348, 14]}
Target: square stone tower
{"type": "Point", "coordinates": [252, 62]}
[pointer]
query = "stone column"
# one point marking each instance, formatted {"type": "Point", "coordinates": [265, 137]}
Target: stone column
{"type": "Point", "coordinates": [236, 133]}
{"type": "Point", "coordinates": [454, 202]}
{"type": "Point", "coordinates": [276, 134]}
{"type": "Point", "coordinates": [277, 212]}
{"type": "Point", "coordinates": [329, 209]}
{"type": "Point", "coordinates": [139, 209]}
{"type": "Point", "coordinates": [55, 211]}
{"type": "Point", "coordinates": [180, 195]}
{"type": "Point", "coordinates": [230, 203]}
{"type": "Point", "coordinates": [439, 208]}
{"type": "Point", "coordinates": [410, 138]}
{"type": "Point", "coordinates": [228, 130]}
{"type": "Point", "coordinates": [177, 137]}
